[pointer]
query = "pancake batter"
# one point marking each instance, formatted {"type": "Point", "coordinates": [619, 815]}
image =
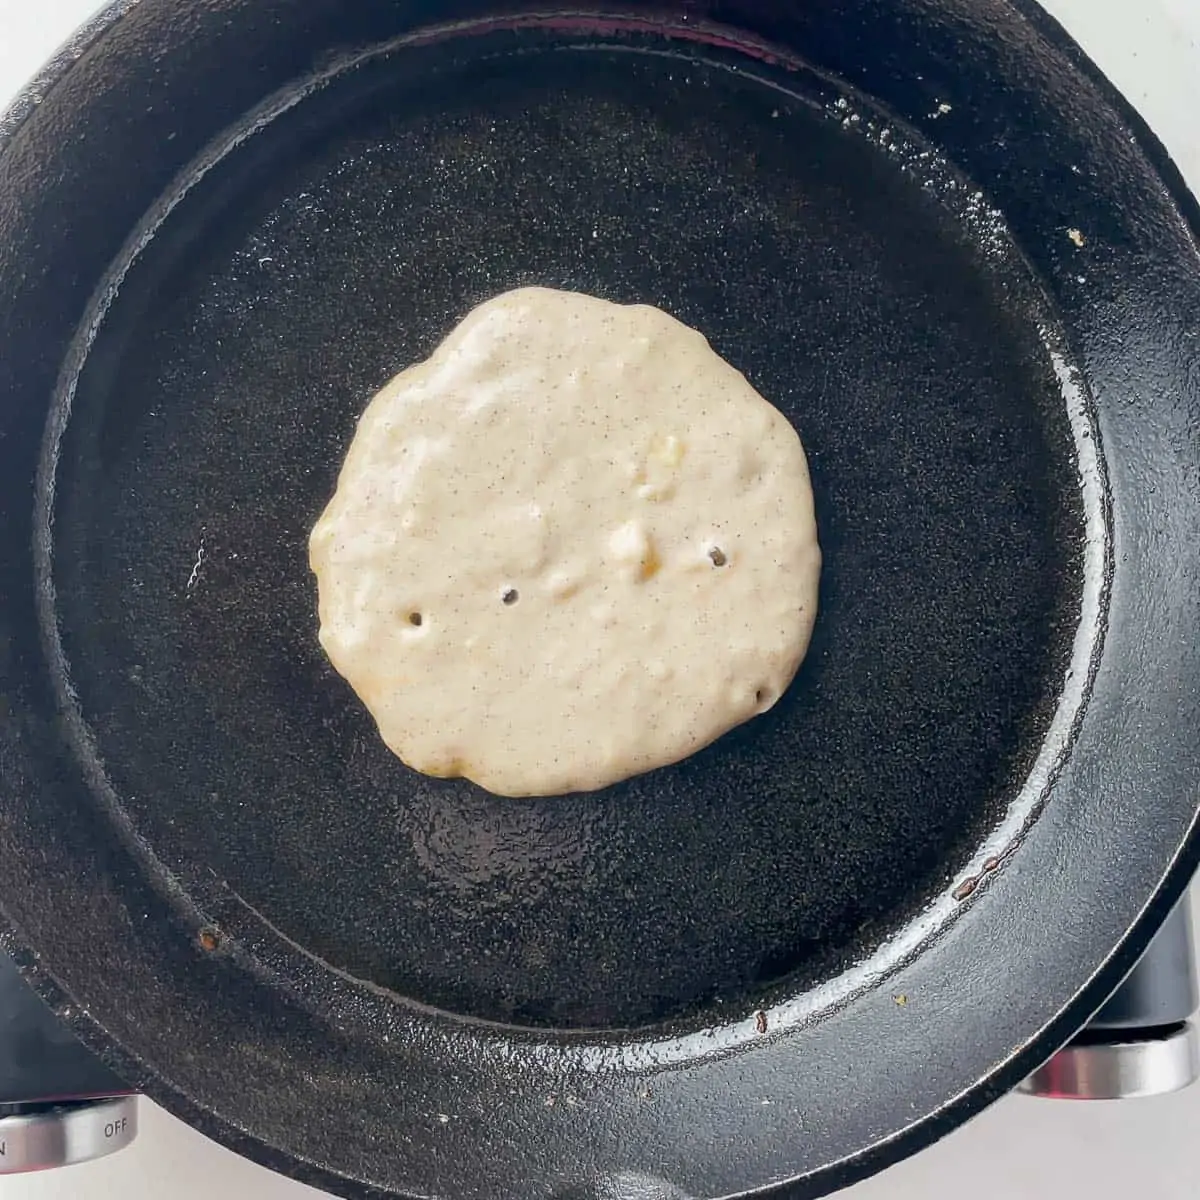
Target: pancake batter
{"type": "Point", "coordinates": [573, 545]}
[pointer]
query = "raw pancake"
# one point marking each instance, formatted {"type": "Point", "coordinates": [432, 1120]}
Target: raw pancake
{"type": "Point", "coordinates": [573, 545]}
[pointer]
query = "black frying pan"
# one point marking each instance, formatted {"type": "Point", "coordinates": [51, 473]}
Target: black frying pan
{"type": "Point", "coordinates": [926, 232]}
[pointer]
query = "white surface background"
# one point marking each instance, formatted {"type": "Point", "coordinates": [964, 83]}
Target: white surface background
{"type": "Point", "coordinates": [1020, 1149]}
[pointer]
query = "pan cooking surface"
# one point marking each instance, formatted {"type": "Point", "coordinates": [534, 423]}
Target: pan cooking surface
{"type": "Point", "coordinates": [339, 245]}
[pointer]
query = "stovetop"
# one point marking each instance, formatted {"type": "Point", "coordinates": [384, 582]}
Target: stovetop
{"type": "Point", "coordinates": [40, 1060]}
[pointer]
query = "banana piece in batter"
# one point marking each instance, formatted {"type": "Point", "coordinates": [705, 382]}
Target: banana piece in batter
{"type": "Point", "coordinates": [571, 546]}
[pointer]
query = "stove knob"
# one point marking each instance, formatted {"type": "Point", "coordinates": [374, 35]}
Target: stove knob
{"type": "Point", "coordinates": [35, 1137]}
{"type": "Point", "coordinates": [1151, 1065]}
{"type": "Point", "coordinates": [1142, 1042]}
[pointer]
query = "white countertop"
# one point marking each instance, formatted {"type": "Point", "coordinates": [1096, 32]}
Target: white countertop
{"type": "Point", "coordinates": [1020, 1149]}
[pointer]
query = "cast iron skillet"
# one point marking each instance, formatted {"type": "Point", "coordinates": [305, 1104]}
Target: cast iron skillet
{"type": "Point", "coordinates": [928, 233]}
